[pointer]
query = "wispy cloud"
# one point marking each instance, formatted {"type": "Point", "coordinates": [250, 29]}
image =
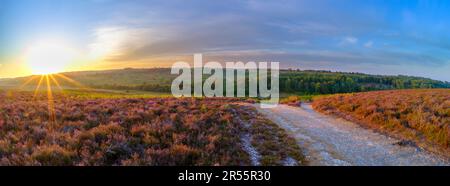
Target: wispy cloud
{"type": "Point", "coordinates": [115, 42]}
{"type": "Point", "coordinates": [368, 44]}
{"type": "Point", "coordinates": [328, 33]}
{"type": "Point", "coordinates": [349, 40]}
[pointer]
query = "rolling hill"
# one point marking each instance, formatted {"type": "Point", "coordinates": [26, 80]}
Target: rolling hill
{"type": "Point", "coordinates": [291, 81]}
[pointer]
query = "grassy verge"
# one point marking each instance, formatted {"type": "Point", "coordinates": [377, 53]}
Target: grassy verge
{"type": "Point", "coordinates": [274, 145]}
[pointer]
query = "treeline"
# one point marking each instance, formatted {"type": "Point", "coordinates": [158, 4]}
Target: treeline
{"type": "Point", "coordinates": [323, 82]}
{"type": "Point", "coordinates": [314, 82]}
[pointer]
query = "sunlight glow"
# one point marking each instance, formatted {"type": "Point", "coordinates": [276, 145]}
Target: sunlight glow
{"type": "Point", "coordinates": [50, 81]}
{"type": "Point", "coordinates": [36, 91]}
{"type": "Point", "coordinates": [49, 57]}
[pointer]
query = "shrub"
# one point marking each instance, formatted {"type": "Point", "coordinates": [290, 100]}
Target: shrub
{"type": "Point", "coordinates": [126, 131]}
{"type": "Point", "coordinates": [53, 155]}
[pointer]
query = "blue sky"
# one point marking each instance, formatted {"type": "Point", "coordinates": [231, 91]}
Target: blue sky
{"type": "Point", "coordinates": [378, 37]}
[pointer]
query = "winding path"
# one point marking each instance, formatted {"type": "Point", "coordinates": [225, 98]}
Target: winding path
{"type": "Point", "coordinates": [328, 140]}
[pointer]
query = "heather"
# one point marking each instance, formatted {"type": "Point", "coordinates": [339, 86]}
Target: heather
{"type": "Point", "coordinates": [292, 101]}
{"type": "Point", "coordinates": [421, 116]}
{"type": "Point", "coordinates": [74, 130]}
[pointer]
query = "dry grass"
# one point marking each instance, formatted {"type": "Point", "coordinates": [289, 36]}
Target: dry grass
{"type": "Point", "coordinates": [294, 101]}
{"type": "Point", "coordinates": [421, 115]}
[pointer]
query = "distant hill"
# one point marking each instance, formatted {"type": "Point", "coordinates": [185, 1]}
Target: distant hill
{"type": "Point", "coordinates": [291, 81]}
{"type": "Point", "coordinates": [154, 79]}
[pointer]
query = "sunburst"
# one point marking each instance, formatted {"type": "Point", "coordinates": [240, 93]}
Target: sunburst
{"type": "Point", "coordinates": [51, 81]}
{"type": "Point", "coordinates": [46, 59]}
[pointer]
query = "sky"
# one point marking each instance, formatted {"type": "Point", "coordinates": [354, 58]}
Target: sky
{"type": "Point", "coordinates": [377, 37]}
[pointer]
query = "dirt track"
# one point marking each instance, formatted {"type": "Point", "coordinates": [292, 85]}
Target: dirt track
{"type": "Point", "coordinates": [331, 141]}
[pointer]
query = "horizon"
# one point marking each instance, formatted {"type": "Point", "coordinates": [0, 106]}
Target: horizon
{"type": "Point", "coordinates": [281, 69]}
{"type": "Point", "coordinates": [408, 38]}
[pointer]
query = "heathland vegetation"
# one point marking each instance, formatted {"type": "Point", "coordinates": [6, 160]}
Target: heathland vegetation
{"type": "Point", "coordinates": [421, 116]}
{"type": "Point", "coordinates": [69, 129]}
{"type": "Point", "coordinates": [127, 117]}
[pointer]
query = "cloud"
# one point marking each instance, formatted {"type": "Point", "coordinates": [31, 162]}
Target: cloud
{"type": "Point", "coordinates": [115, 42]}
{"type": "Point", "coordinates": [286, 31]}
{"type": "Point", "coordinates": [349, 40]}
{"type": "Point", "coordinates": [368, 44]}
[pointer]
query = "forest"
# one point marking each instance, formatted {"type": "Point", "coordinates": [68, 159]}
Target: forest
{"type": "Point", "coordinates": [326, 82]}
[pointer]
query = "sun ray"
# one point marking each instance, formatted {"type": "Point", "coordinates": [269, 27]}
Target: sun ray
{"type": "Point", "coordinates": [38, 86]}
{"type": "Point", "coordinates": [28, 81]}
{"type": "Point", "coordinates": [51, 106]}
{"type": "Point", "coordinates": [50, 81]}
{"type": "Point", "coordinates": [73, 81]}
{"type": "Point", "coordinates": [56, 83]}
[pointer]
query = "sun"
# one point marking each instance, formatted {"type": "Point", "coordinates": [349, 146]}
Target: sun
{"type": "Point", "coordinates": [49, 57]}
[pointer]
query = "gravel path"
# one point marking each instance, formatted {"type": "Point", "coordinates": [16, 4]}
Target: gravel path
{"type": "Point", "coordinates": [331, 141]}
